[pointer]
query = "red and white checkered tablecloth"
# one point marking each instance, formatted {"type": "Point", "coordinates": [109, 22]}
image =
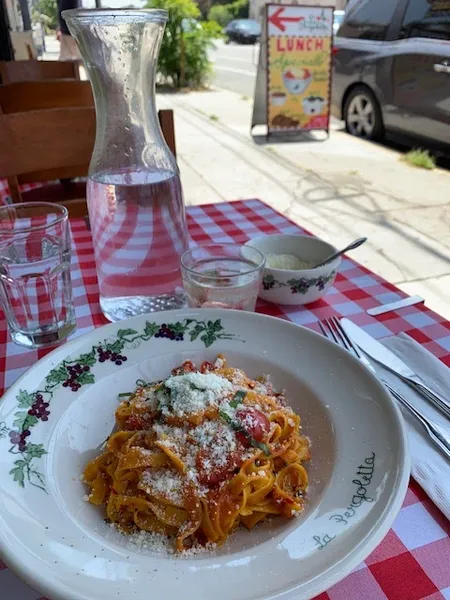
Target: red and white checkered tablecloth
{"type": "Point", "coordinates": [413, 561]}
{"type": "Point", "coordinates": [5, 198]}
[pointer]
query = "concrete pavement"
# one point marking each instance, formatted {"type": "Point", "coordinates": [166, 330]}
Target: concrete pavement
{"type": "Point", "coordinates": [51, 48]}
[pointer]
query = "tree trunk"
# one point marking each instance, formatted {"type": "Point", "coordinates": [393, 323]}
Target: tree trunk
{"type": "Point", "coordinates": [182, 60]}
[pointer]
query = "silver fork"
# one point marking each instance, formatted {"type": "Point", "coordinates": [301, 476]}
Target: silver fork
{"type": "Point", "coordinates": [333, 330]}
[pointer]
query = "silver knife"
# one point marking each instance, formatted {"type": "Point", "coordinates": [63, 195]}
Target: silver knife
{"type": "Point", "coordinates": [391, 361]}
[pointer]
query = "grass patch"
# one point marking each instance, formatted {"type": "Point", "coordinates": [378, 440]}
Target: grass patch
{"type": "Point", "coordinates": [420, 158]}
{"type": "Point", "coordinates": [213, 117]}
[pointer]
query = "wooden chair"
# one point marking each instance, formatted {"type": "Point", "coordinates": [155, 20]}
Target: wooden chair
{"type": "Point", "coordinates": [166, 121]}
{"type": "Point", "coordinates": [39, 95]}
{"type": "Point", "coordinates": [40, 99]}
{"type": "Point", "coordinates": [38, 70]}
{"type": "Point", "coordinates": [37, 143]}
{"type": "Point", "coordinates": [44, 145]}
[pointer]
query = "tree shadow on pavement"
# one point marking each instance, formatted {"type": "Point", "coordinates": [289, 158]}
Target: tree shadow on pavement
{"type": "Point", "coordinates": [362, 204]}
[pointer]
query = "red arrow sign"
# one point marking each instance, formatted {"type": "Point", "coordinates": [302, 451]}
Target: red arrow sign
{"type": "Point", "coordinates": [278, 20]}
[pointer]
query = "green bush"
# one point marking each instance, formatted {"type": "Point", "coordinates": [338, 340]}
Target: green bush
{"type": "Point", "coordinates": [197, 43]}
{"type": "Point", "coordinates": [47, 12]}
{"type": "Point", "coordinates": [220, 13]}
{"type": "Point", "coordinates": [239, 9]}
{"type": "Point", "coordinates": [183, 58]}
{"type": "Point", "coordinates": [224, 13]}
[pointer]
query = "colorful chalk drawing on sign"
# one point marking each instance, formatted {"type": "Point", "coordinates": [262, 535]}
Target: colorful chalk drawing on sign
{"type": "Point", "coordinates": [299, 67]}
{"type": "Point", "coordinates": [361, 494]}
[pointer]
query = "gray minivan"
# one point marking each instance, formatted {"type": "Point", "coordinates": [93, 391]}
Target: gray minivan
{"type": "Point", "coordinates": [392, 69]}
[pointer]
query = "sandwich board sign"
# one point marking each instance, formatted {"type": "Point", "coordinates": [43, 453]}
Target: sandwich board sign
{"type": "Point", "coordinates": [296, 69]}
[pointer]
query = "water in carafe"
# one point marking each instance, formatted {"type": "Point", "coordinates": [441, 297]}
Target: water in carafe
{"type": "Point", "coordinates": [134, 194]}
{"type": "Point", "coordinates": [138, 247]}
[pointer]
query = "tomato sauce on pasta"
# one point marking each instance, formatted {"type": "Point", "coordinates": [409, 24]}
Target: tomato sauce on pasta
{"type": "Point", "coordinates": [198, 454]}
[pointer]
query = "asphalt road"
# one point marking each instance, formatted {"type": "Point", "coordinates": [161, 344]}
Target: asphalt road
{"type": "Point", "coordinates": [235, 67]}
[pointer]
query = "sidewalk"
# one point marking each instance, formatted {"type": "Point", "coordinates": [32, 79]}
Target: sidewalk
{"type": "Point", "coordinates": [339, 189]}
{"type": "Point", "coordinates": [51, 48]}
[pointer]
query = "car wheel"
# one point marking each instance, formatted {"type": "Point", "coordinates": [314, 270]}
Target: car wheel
{"type": "Point", "coordinates": [362, 114]}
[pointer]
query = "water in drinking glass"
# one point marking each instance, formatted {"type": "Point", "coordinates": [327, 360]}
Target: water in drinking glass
{"type": "Point", "coordinates": [35, 284]}
{"type": "Point", "coordinates": [222, 286]}
{"type": "Point", "coordinates": [139, 232]}
{"type": "Point", "coordinates": [222, 276]}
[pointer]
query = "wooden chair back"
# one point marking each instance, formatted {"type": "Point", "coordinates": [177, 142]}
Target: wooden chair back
{"type": "Point", "coordinates": [39, 95]}
{"type": "Point", "coordinates": [46, 138]}
{"type": "Point", "coordinates": [58, 140]}
{"type": "Point", "coordinates": [167, 123]}
{"type": "Point", "coordinates": [38, 70]}
{"type": "Point", "coordinates": [39, 140]}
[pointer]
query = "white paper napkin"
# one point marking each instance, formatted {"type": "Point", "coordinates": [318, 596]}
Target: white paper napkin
{"type": "Point", "coordinates": [429, 467]}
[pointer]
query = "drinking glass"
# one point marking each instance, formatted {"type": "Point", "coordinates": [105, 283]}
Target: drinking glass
{"type": "Point", "coordinates": [222, 276]}
{"type": "Point", "coordinates": [35, 285]}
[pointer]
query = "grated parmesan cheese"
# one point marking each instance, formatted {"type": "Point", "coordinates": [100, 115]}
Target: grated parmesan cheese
{"type": "Point", "coordinates": [192, 393]}
{"type": "Point", "coordinates": [249, 422]}
{"type": "Point", "coordinates": [287, 262]}
{"type": "Point", "coordinates": [162, 482]}
{"type": "Point", "coordinates": [219, 439]}
{"type": "Point", "coordinates": [147, 542]}
{"type": "Point", "coordinates": [150, 398]}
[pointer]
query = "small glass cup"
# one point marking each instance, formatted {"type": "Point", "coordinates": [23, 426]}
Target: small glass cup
{"type": "Point", "coordinates": [35, 284]}
{"type": "Point", "coordinates": [222, 276]}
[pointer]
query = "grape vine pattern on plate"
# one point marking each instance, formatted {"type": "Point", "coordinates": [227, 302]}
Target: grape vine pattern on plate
{"type": "Point", "coordinates": [298, 286]}
{"type": "Point", "coordinates": [72, 374]}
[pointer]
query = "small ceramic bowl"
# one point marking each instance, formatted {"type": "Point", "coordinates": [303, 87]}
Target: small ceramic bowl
{"type": "Point", "coordinates": [299, 286]}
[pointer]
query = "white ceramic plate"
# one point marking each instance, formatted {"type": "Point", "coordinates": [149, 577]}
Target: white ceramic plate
{"type": "Point", "coordinates": [59, 544]}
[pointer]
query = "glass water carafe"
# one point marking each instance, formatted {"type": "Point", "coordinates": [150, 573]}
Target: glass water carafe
{"type": "Point", "coordinates": [134, 195]}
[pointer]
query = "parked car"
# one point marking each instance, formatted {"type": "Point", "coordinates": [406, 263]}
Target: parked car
{"type": "Point", "coordinates": [392, 69]}
{"type": "Point", "coordinates": [338, 17]}
{"type": "Point", "coordinates": [243, 31]}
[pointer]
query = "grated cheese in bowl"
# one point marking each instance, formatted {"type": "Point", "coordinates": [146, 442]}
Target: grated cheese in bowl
{"type": "Point", "coordinates": [287, 262]}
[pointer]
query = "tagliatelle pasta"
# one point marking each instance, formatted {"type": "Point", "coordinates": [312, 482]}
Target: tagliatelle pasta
{"type": "Point", "coordinates": [200, 453]}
